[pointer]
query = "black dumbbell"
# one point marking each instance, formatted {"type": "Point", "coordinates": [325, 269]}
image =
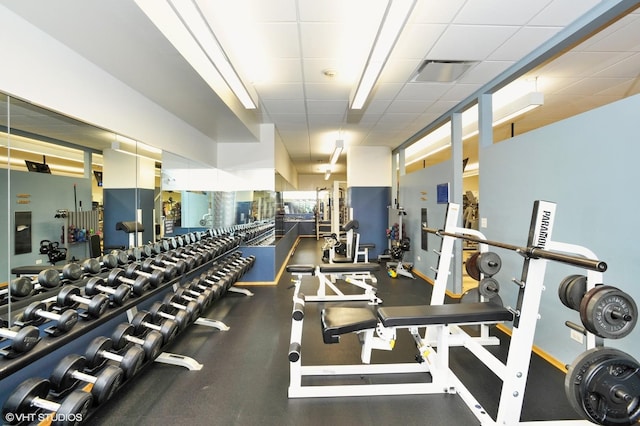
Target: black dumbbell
{"type": "Point", "coordinates": [192, 309]}
{"type": "Point", "coordinates": [121, 256]}
{"type": "Point", "coordinates": [95, 266]}
{"type": "Point", "coordinates": [188, 256]}
{"type": "Point", "coordinates": [30, 397]}
{"type": "Point", "coordinates": [99, 351]}
{"type": "Point", "coordinates": [117, 295]}
{"type": "Point", "coordinates": [23, 339]}
{"type": "Point", "coordinates": [69, 372]}
{"type": "Point", "coordinates": [164, 260]}
{"type": "Point", "coordinates": [142, 321]}
{"type": "Point", "coordinates": [155, 277]}
{"type": "Point", "coordinates": [201, 298]}
{"type": "Point", "coordinates": [159, 311]}
{"type": "Point", "coordinates": [125, 333]}
{"type": "Point", "coordinates": [138, 285]}
{"type": "Point", "coordinates": [169, 271]}
{"type": "Point", "coordinates": [134, 254]}
{"type": "Point", "coordinates": [46, 279]}
{"type": "Point", "coordinates": [200, 285]}
{"type": "Point", "coordinates": [37, 313]}
{"type": "Point", "coordinates": [70, 296]}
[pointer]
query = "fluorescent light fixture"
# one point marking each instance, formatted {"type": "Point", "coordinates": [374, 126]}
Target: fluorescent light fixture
{"type": "Point", "coordinates": [327, 173]}
{"type": "Point", "coordinates": [337, 151]}
{"type": "Point", "coordinates": [518, 107]}
{"type": "Point", "coordinates": [395, 17]}
{"type": "Point", "coordinates": [183, 24]}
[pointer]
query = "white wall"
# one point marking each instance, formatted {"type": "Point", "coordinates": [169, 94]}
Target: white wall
{"type": "Point", "coordinates": [47, 73]}
{"type": "Point", "coordinates": [369, 166]}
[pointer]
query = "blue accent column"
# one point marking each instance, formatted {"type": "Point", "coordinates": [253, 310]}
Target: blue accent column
{"type": "Point", "coordinates": [370, 209]}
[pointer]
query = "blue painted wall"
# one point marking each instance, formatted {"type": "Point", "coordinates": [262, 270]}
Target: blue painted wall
{"type": "Point", "coordinates": [370, 210]}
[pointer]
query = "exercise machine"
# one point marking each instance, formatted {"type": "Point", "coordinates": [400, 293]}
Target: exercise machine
{"type": "Point", "coordinates": [604, 395]}
{"type": "Point", "coordinates": [398, 245]}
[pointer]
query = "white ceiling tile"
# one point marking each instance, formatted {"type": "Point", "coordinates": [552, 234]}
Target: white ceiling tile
{"type": "Point", "coordinates": [401, 72]}
{"type": "Point", "coordinates": [436, 11]}
{"type": "Point", "coordinates": [499, 12]}
{"type": "Point", "coordinates": [589, 86]}
{"type": "Point", "coordinates": [324, 92]}
{"type": "Point", "coordinates": [333, 120]}
{"type": "Point", "coordinates": [282, 71]}
{"type": "Point", "coordinates": [456, 44]}
{"type": "Point", "coordinates": [281, 39]}
{"type": "Point", "coordinates": [416, 40]}
{"type": "Point", "coordinates": [484, 71]}
{"type": "Point", "coordinates": [402, 106]}
{"type": "Point", "coordinates": [562, 12]}
{"type": "Point", "coordinates": [386, 91]}
{"type": "Point", "coordinates": [326, 107]}
{"type": "Point", "coordinates": [345, 75]}
{"type": "Point", "coordinates": [273, 10]}
{"type": "Point", "coordinates": [280, 91]}
{"type": "Point", "coordinates": [583, 64]}
{"type": "Point", "coordinates": [623, 38]}
{"type": "Point", "coordinates": [424, 91]}
{"type": "Point", "coordinates": [522, 42]}
{"type": "Point", "coordinates": [283, 106]}
{"type": "Point", "coordinates": [627, 67]}
{"type": "Point", "coordinates": [459, 92]}
{"type": "Point", "coordinates": [294, 119]}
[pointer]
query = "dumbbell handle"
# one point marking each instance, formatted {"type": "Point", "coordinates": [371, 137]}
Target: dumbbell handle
{"type": "Point", "coordinates": [177, 305]}
{"type": "Point", "coordinates": [45, 404]}
{"type": "Point", "coordinates": [8, 333]}
{"type": "Point", "coordinates": [165, 315]}
{"type": "Point", "coordinates": [142, 273]}
{"type": "Point", "coordinates": [110, 355]}
{"type": "Point", "coordinates": [48, 315]}
{"type": "Point", "coordinates": [151, 325]}
{"type": "Point", "coordinates": [80, 299]}
{"type": "Point", "coordinates": [134, 339]}
{"type": "Point", "coordinates": [84, 376]}
{"type": "Point", "coordinates": [126, 280]}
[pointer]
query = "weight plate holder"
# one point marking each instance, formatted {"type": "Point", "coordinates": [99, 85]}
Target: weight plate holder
{"type": "Point", "coordinates": [608, 312]}
{"type": "Point", "coordinates": [603, 385]}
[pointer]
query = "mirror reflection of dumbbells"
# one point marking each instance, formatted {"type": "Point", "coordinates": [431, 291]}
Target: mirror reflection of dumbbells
{"type": "Point", "coordinates": [94, 266]}
{"type": "Point", "coordinates": [143, 321]}
{"type": "Point", "coordinates": [70, 296]}
{"type": "Point", "coordinates": [46, 280]}
{"type": "Point", "coordinates": [138, 285]}
{"type": "Point", "coordinates": [201, 255]}
{"type": "Point", "coordinates": [151, 342]}
{"type": "Point", "coordinates": [69, 374]}
{"type": "Point", "coordinates": [100, 351]}
{"type": "Point", "coordinates": [117, 295]}
{"type": "Point", "coordinates": [188, 256]}
{"type": "Point", "coordinates": [192, 308]}
{"type": "Point", "coordinates": [37, 313]}
{"type": "Point", "coordinates": [169, 271]}
{"type": "Point", "coordinates": [155, 277]}
{"type": "Point", "coordinates": [160, 311]}
{"type": "Point", "coordinates": [22, 339]}
{"type": "Point", "coordinates": [30, 397]}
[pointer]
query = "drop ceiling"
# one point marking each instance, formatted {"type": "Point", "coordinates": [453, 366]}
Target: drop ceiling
{"type": "Point", "coordinates": [294, 44]}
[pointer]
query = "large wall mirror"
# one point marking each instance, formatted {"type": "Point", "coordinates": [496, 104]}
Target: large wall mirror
{"type": "Point", "coordinates": [64, 181]}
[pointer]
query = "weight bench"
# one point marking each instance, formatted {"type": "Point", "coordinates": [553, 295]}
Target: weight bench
{"type": "Point", "coordinates": [376, 329]}
{"type": "Point", "coordinates": [352, 273]}
{"type": "Point", "coordinates": [363, 250]}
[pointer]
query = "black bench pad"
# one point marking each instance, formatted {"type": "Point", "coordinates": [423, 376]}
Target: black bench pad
{"type": "Point", "coordinates": [459, 313]}
{"type": "Point", "coordinates": [301, 269]}
{"type": "Point", "coordinates": [367, 245]}
{"type": "Point", "coordinates": [341, 320]}
{"type": "Point", "coordinates": [348, 268]}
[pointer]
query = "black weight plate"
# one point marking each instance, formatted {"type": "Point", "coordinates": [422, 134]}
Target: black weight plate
{"type": "Point", "coordinates": [575, 291]}
{"type": "Point", "coordinates": [562, 289]}
{"type": "Point", "coordinates": [489, 287]}
{"type": "Point", "coordinates": [471, 266]}
{"type": "Point", "coordinates": [489, 263]}
{"type": "Point", "coordinates": [608, 312]}
{"type": "Point", "coordinates": [596, 381]}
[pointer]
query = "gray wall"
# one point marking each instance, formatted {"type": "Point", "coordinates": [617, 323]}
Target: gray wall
{"type": "Point", "coordinates": [588, 166]}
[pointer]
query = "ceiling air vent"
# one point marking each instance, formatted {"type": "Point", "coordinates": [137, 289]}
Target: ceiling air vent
{"type": "Point", "coordinates": [441, 71]}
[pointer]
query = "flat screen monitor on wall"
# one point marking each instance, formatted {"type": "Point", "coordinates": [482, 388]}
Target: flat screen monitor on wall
{"type": "Point", "coordinates": [32, 166]}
